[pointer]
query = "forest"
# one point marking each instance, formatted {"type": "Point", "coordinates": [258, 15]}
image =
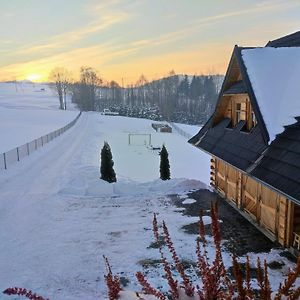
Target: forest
{"type": "Point", "coordinates": [186, 99]}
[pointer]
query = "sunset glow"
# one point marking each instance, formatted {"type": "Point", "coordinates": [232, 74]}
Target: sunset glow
{"type": "Point", "coordinates": [123, 39]}
{"type": "Point", "coordinates": [34, 77]}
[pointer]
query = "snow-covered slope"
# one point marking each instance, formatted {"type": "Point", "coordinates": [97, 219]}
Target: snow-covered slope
{"type": "Point", "coordinates": [28, 111]}
{"type": "Point", "coordinates": [58, 218]}
{"type": "Point", "coordinates": [274, 74]}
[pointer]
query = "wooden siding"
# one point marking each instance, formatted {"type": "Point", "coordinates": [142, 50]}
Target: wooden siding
{"type": "Point", "coordinates": [232, 181]}
{"type": "Point", "coordinates": [250, 197]}
{"type": "Point", "coordinates": [269, 209]}
{"type": "Point", "coordinates": [296, 219]}
{"type": "Point", "coordinates": [221, 177]}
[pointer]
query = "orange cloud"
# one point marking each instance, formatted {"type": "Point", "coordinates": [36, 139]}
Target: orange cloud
{"type": "Point", "coordinates": [69, 38]}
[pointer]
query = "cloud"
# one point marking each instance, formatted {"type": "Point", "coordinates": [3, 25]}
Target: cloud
{"type": "Point", "coordinates": [120, 66]}
{"type": "Point", "coordinates": [105, 5]}
{"type": "Point", "coordinates": [68, 38]}
{"type": "Point", "coordinates": [93, 56]}
{"type": "Point", "coordinates": [6, 42]}
{"type": "Point", "coordinates": [154, 52]}
{"type": "Point", "coordinates": [262, 6]}
{"type": "Point", "coordinates": [7, 15]}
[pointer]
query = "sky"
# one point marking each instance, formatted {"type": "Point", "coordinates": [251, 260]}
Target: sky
{"type": "Point", "coordinates": [123, 39]}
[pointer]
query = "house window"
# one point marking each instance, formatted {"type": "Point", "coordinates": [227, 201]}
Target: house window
{"type": "Point", "coordinates": [240, 112]}
{"type": "Point", "coordinates": [254, 120]}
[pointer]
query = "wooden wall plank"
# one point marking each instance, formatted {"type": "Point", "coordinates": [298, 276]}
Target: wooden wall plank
{"type": "Point", "coordinates": [270, 209]}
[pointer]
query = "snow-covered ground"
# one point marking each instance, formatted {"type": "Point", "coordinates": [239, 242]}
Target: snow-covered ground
{"type": "Point", "coordinates": [28, 111]}
{"type": "Point", "coordinates": [57, 218]}
{"type": "Point", "coordinates": [191, 130]}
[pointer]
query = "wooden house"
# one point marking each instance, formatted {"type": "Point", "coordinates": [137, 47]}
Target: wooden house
{"type": "Point", "coordinates": [253, 137]}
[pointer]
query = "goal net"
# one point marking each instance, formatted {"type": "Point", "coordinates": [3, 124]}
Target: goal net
{"type": "Point", "coordinates": [139, 139]}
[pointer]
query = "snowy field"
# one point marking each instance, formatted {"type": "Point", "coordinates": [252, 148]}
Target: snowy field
{"type": "Point", "coordinates": [191, 130]}
{"type": "Point", "coordinates": [57, 218]}
{"type": "Point", "coordinates": [28, 111]}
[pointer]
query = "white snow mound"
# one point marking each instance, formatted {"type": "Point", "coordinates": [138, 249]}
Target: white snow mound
{"type": "Point", "coordinates": [189, 201]}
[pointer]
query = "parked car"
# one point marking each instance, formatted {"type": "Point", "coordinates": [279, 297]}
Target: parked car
{"type": "Point", "coordinates": [108, 112]}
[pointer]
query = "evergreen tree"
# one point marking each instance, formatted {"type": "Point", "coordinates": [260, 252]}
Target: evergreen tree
{"type": "Point", "coordinates": [196, 88]}
{"type": "Point", "coordinates": [184, 86]}
{"type": "Point", "coordinates": [107, 171]}
{"type": "Point", "coordinates": [164, 164]}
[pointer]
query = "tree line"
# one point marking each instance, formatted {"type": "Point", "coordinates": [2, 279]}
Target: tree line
{"type": "Point", "coordinates": [177, 98]}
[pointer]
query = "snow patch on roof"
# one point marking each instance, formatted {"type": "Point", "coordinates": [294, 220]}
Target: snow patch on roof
{"type": "Point", "coordinates": [275, 78]}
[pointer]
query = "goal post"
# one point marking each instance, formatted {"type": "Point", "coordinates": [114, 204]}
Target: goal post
{"type": "Point", "coordinates": [139, 139]}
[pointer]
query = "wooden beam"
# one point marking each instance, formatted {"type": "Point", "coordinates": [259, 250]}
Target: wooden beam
{"type": "Point", "coordinates": [290, 223]}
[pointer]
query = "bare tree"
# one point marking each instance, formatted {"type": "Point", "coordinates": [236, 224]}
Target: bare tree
{"type": "Point", "coordinates": [60, 79]}
{"type": "Point", "coordinates": [141, 89]}
{"type": "Point", "coordinates": [116, 96]}
{"type": "Point", "coordinates": [88, 85]}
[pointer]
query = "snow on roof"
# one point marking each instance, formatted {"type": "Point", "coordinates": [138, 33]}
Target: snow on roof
{"type": "Point", "coordinates": [275, 78]}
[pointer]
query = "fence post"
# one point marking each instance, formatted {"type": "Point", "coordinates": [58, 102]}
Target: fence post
{"type": "Point", "coordinates": [4, 158]}
{"type": "Point", "coordinates": [50, 137]}
{"type": "Point", "coordinates": [18, 154]}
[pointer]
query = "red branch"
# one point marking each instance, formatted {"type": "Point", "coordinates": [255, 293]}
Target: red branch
{"type": "Point", "coordinates": [215, 283]}
{"type": "Point", "coordinates": [173, 284]}
{"type": "Point", "coordinates": [286, 288]}
{"type": "Point", "coordinates": [112, 282]}
{"type": "Point", "coordinates": [147, 288]}
{"type": "Point", "coordinates": [188, 287]}
{"type": "Point", "coordinates": [249, 291]}
{"type": "Point", "coordinates": [23, 292]}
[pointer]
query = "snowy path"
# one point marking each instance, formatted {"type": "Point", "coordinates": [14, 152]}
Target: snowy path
{"type": "Point", "coordinates": [57, 218]}
{"type": "Point", "coordinates": [26, 208]}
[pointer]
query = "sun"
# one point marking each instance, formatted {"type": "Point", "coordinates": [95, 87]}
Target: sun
{"type": "Point", "coordinates": [33, 77]}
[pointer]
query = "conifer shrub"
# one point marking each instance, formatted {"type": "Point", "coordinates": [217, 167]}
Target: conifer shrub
{"type": "Point", "coordinates": [164, 164]}
{"type": "Point", "coordinates": [106, 169]}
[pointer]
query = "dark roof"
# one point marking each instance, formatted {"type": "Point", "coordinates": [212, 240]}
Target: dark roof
{"type": "Point", "coordinates": [232, 145]}
{"type": "Point", "coordinates": [237, 88]}
{"type": "Point", "coordinates": [280, 165]}
{"type": "Point", "coordinates": [277, 164]}
{"type": "Point", "coordinates": [291, 40]}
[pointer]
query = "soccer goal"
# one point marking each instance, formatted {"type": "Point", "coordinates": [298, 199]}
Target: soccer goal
{"type": "Point", "coordinates": [139, 139]}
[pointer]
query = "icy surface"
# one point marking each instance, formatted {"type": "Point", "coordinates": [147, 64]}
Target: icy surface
{"type": "Point", "coordinates": [274, 74]}
{"type": "Point", "coordinates": [28, 111]}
